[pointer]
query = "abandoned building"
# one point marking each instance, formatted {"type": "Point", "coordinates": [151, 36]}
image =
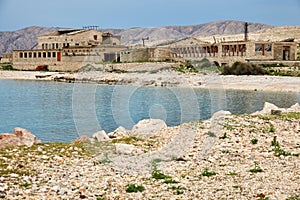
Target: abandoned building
{"type": "Point", "coordinates": [69, 49]}
{"type": "Point", "coordinates": [147, 54]}
{"type": "Point", "coordinates": [226, 53]}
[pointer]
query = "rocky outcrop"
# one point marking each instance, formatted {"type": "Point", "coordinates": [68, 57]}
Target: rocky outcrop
{"type": "Point", "coordinates": [270, 108]}
{"type": "Point", "coordinates": [148, 127]}
{"type": "Point", "coordinates": [118, 133]}
{"type": "Point", "coordinates": [19, 137]}
{"type": "Point", "coordinates": [100, 136]}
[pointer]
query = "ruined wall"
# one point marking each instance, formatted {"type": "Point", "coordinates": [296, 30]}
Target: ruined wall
{"type": "Point", "coordinates": [134, 55]}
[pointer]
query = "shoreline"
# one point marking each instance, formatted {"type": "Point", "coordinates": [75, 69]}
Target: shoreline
{"type": "Point", "coordinates": [166, 78]}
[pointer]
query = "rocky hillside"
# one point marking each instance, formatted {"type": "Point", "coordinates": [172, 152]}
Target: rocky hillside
{"type": "Point", "coordinates": [21, 39]}
{"type": "Point", "coordinates": [271, 34]}
{"type": "Point", "coordinates": [27, 38]}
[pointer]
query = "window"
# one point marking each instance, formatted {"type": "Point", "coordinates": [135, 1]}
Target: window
{"type": "Point", "coordinates": [95, 37]}
{"type": "Point", "coordinates": [44, 54]}
{"type": "Point", "coordinates": [21, 54]}
{"type": "Point", "coordinates": [49, 55]}
{"type": "Point", "coordinates": [25, 55]}
{"type": "Point", "coordinates": [258, 47]}
{"type": "Point", "coordinates": [39, 54]}
{"type": "Point", "coordinates": [53, 54]}
{"type": "Point", "coordinates": [76, 44]}
{"type": "Point", "coordinates": [57, 45]}
{"type": "Point", "coordinates": [34, 54]}
{"type": "Point", "coordinates": [268, 47]}
{"type": "Point", "coordinates": [30, 54]}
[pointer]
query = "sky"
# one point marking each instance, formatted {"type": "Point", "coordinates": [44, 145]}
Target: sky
{"type": "Point", "coordinates": [18, 14]}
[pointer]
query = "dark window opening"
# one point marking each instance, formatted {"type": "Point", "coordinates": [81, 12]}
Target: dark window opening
{"type": "Point", "coordinates": [258, 47]}
{"type": "Point", "coordinates": [44, 54]}
{"type": "Point", "coordinates": [25, 55]}
{"type": "Point", "coordinates": [49, 55]}
{"type": "Point", "coordinates": [21, 55]}
{"type": "Point", "coordinates": [39, 54]}
{"type": "Point", "coordinates": [95, 37]}
{"type": "Point", "coordinates": [34, 54]}
{"type": "Point", "coordinates": [53, 54]}
{"type": "Point", "coordinates": [30, 55]}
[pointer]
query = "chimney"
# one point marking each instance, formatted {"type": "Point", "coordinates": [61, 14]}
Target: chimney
{"type": "Point", "coordinates": [246, 31]}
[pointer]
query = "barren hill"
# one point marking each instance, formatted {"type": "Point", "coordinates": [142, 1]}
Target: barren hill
{"type": "Point", "coordinates": [271, 34]}
{"type": "Point", "coordinates": [27, 38]}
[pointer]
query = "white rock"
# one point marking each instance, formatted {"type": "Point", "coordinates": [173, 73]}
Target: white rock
{"type": "Point", "coordinates": [267, 109]}
{"type": "Point", "coordinates": [118, 133]}
{"type": "Point", "coordinates": [148, 127]}
{"type": "Point", "coordinates": [100, 136]}
{"type": "Point", "coordinates": [127, 149]}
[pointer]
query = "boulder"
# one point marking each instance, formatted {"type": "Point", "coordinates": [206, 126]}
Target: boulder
{"type": "Point", "coordinates": [294, 108]}
{"type": "Point", "coordinates": [273, 109]}
{"type": "Point", "coordinates": [268, 107]}
{"type": "Point", "coordinates": [20, 136]}
{"type": "Point", "coordinates": [118, 133]}
{"type": "Point", "coordinates": [26, 137]}
{"type": "Point", "coordinates": [127, 149]}
{"type": "Point", "coordinates": [100, 136]}
{"type": "Point", "coordinates": [148, 127]}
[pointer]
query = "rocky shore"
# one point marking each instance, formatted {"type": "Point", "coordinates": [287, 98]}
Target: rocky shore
{"type": "Point", "coordinates": [229, 156]}
{"type": "Point", "coordinates": [168, 78]}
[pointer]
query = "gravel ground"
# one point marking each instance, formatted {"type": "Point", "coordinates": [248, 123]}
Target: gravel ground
{"type": "Point", "coordinates": [229, 157]}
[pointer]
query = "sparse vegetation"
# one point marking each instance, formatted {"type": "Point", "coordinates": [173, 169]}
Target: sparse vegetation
{"type": "Point", "coordinates": [178, 190]}
{"type": "Point", "coordinates": [278, 151]}
{"type": "Point", "coordinates": [6, 66]}
{"type": "Point", "coordinates": [187, 67]}
{"type": "Point", "coordinates": [254, 141]}
{"type": "Point", "coordinates": [256, 168]}
{"type": "Point", "coordinates": [134, 188]}
{"type": "Point", "coordinates": [208, 173]}
{"type": "Point", "coordinates": [223, 137]}
{"type": "Point", "coordinates": [211, 134]}
{"type": "Point", "coordinates": [239, 68]}
{"type": "Point", "coordinates": [272, 129]}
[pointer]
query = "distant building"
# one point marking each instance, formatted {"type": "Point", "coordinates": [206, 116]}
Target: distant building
{"type": "Point", "coordinates": [147, 54]}
{"type": "Point", "coordinates": [69, 49]}
{"type": "Point", "coordinates": [226, 53]}
{"type": "Point", "coordinates": [6, 58]}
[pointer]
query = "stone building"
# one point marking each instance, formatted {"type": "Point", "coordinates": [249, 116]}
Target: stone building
{"type": "Point", "coordinates": [147, 54]}
{"type": "Point", "coordinates": [6, 58]}
{"type": "Point", "coordinates": [226, 53]}
{"type": "Point", "coordinates": [69, 50]}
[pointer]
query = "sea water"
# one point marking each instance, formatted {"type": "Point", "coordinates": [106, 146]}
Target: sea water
{"type": "Point", "coordinates": [56, 111]}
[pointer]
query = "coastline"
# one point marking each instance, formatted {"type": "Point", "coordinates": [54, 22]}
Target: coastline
{"type": "Point", "coordinates": [166, 78]}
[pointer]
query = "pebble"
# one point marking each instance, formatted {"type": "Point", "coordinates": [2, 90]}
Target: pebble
{"type": "Point", "coordinates": [55, 176]}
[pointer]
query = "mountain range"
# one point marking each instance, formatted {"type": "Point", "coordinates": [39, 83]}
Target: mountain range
{"type": "Point", "coordinates": [27, 38]}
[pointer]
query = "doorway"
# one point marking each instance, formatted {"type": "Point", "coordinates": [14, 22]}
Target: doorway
{"type": "Point", "coordinates": [286, 53]}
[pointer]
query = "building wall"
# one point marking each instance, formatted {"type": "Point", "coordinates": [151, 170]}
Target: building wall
{"type": "Point", "coordinates": [6, 57]}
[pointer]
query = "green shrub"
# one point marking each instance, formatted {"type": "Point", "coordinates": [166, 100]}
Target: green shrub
{"type": "Point", "coordinates": [239, 68]}
{"type": "Point", "coordinates": [254, 141]}
{"type": "Point", "coordinates": [207, 173]}
{"type": "Point", "coordinates": [134, 188]}
{"type": "Point", "coordinates": [256, 168]}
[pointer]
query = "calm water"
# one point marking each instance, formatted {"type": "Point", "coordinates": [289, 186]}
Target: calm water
{"type": "Point", "coordinates": [61, 111]}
